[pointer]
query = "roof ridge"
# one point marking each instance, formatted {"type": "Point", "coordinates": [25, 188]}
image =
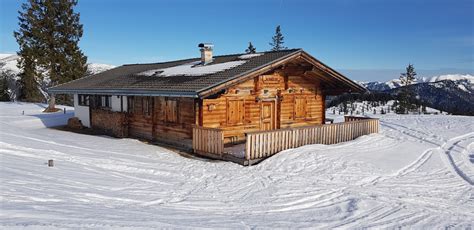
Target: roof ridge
{"type": "Point", "coordinates": [225, 55]}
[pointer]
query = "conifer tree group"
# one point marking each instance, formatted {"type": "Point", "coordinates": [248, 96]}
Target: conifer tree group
{"type": "Point", "coordinates": [276, 43]}
{"type": "Point", "coordinates": [48, 36]}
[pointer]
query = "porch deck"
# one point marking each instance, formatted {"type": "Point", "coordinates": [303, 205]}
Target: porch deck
{"type": "Point", "coordinates": [263, 144]}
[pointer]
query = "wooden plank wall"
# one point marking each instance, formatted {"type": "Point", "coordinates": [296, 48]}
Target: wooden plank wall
{"type": "Point", "coordinates": [301, 89]}
{"type": "Point", "coordinates": [264, 144]}
{"type": "Point", "coordinates": [155, 125]}
{"type": "Point", "coordinates": [175, 131]}
{"type": "Point", "coordinates": [140, 125]}
{"type": "Point", "coordinates": [283, 90]}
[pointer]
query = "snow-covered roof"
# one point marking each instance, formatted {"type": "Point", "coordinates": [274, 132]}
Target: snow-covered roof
{"type": "Point", "coordinates": [192, 69]}
{"type": "Point", "coordinates": [247, 56]}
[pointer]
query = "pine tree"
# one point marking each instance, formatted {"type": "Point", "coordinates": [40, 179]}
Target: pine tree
{"type": "Point", "coordinates": [406, 93]}
{"type": "Point", "coordinates": [277, 40]}
{"type": "Point", "coordinates": [48, 37]}
{"type": "Point", "coordinates": [408, 77]}
{"type": "Point", "coordinates": [4, 87]}
{"type": "Point", "coordinates": [7, 84]}
{"type": "Point", "coordinates": [251, 49]}
{"type": "Point", "coordinates": [28, 81]}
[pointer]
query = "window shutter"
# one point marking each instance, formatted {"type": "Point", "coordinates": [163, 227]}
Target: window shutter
{"type": "Point", "coordinates": [300, 107]}
{"type": "Point", "coordinates": [171, 111]}
{"type": "Point", "coordinates": [235, 111]}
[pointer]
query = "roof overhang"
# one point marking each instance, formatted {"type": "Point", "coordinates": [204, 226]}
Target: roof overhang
{"type": "Point", "coordinates": [353, 86]}
{"type": "Point", "coordinates": [124, 92]}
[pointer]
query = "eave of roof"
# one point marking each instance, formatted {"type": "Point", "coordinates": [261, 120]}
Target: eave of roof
{"type": "Point", "coordinates": [125, 92]}
{"type": "Point", "coordinates": [358, 88]}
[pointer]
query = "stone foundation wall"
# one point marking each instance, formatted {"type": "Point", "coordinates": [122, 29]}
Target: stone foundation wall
{"type": "Point", "coordinates": [111, 123]}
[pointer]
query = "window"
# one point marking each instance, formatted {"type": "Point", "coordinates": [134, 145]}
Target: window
{"type": "Point", "coordinates": [171, 110]}
{"type": "Point", "coordinates": [130, 104]}
{"type": "Point", "coordinates": [83, 100]}
{"type": "Point", "coordinates": [147, 109]}
{"type": "Point", "coordinates": [300, 107]}
{"type": "Point", "coordinates": [235, 111]}
{"type": "Point", "coordinates": [104, 101]}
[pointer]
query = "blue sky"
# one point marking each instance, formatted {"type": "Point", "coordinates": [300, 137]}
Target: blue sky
{"type": "Point", "coordinates": [365, 39]}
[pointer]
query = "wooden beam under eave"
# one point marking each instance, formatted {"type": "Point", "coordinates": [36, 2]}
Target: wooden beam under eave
{"type": "Point", "coordinates": [323, 78]}
{"type": "Point", "coordinates": [335, 92]}
{"type": "Point", "coordinates": [331, 72]}
{"type": "Point", "coordinates": [329, 87]}
{"type": "Point", "coordinates": [295, 70]}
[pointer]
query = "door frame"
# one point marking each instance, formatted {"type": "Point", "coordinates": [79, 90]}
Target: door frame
{"type": "Point", "coordinates": [275, 111]}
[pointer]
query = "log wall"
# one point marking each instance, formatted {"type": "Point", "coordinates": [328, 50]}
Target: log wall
{"type": "Point", "coordinates": [297, 101]}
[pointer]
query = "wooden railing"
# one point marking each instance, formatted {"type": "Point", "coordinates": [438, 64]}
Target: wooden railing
{"type": "Point", "coordinates": [208, 141]}
{"type": "Point", "coordinates": [264, 144]}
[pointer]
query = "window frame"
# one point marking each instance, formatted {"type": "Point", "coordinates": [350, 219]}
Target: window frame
{"type": "Point", "coordinates": [83, 100]}
{"type": "Point", "coordinates": [167, 110]}
{"type": "Point", "coordinates": [103, 101]}
{"type": "Point", "coordinates": [130, 104]}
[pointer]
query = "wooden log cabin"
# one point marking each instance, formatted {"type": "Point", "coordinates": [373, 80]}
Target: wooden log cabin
{"type": "Point", "coordinates": [237, 94]}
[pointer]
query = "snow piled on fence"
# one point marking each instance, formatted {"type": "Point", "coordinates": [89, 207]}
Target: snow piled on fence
{"type": "Point", "coordinates": [192, 69]}
{"type": "Point", "coordinates": [416, 173]}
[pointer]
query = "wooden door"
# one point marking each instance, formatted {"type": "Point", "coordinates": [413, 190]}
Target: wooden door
{"type": "Point", "coordinates": [267, 114]}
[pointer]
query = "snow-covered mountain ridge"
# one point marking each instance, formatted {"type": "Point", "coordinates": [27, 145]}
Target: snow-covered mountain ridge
{"type": "Point", "coordinates": [464, 82]}
{"type": "Point", "coordinates": [8, 62]}
{"type": "Point", "coordinates": [10, 71]}
{"type": "Point", "coordinates": [453, 93]}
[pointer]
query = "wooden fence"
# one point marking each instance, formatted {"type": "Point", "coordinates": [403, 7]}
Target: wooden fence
{"type": "Point", "coordinates": [264, 144]}
{"type": "Point", "coordinates": [208, 141]}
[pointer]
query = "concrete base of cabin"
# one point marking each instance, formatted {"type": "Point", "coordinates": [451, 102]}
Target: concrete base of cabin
{"type": "Point", "coordinates": [111, 123]}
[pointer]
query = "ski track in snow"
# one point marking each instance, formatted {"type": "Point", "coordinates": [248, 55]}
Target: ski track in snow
{"type": "Point", "coordinates": [417, 173]}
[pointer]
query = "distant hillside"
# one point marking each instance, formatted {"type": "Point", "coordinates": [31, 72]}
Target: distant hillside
{"type": "Point", "coordinates": [9, 74]}
{"type": "Point", "coordinates": [456, 97]}
{"type": "Point", "coordinates": [453, 93]}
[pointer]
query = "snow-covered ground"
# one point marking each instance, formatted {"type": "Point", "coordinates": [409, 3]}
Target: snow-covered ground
{"type": "Point", "coordinates": [417, 173]}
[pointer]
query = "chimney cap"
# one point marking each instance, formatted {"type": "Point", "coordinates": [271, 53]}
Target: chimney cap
{"type": "Point", "coordinates": [205, 45]}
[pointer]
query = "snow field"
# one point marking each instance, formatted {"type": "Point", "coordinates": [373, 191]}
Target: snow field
{"type": "Point", "coordinates": [416, 173]}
